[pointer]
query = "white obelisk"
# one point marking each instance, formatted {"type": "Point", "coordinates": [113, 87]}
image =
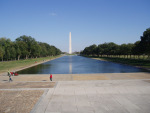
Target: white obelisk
{"type": "Point", "coordinates": [70, 48]}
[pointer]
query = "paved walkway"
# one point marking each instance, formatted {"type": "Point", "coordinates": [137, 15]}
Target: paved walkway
{"type": "Point", "coordinates": [84, 93]}
{"type": "Point", "coordinates": [111, 96]}
{"type": "Point", "coordinates": [72, 77]}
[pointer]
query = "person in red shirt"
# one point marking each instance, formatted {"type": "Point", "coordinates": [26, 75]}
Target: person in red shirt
{"type": "Point", "coordinates": [50, 77]}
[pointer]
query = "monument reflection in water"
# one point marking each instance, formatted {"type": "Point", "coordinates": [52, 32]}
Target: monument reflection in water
{"type": "Point", "coordinates": [79, 65]}
{"type": "Point", "coordinates": [70, 65]}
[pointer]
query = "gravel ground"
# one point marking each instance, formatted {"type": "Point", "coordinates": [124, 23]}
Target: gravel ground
{"type": "Point", "coordinates": [21, 100]}
{"type": "Point", "coordinates": [13, 85]}
{"type": "Point", "coordinates": [18, 101]}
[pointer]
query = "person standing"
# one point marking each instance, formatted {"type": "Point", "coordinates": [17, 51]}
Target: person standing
{"type": "Point", "coordinates": [50, 77]}
{"type": "Point", "coordinates": [9, 74]}
{"type": "Point", "coordinates": [10, 79]}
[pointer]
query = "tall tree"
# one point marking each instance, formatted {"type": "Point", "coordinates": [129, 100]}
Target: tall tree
{"type": "Point", "coordinates": [99, 50]}
{"type": "Point", "coordinates": [145, 42]}
{"type": "Point", "coordinates": [23, 47]}
{"type": "Point", "coordinates": [12, 53]}
{"type": "Point", "coordinates": [104, 48]}
{"type": "Point", "coordinates": [2, 52]}
{"type": "Point", "coordinates": [35, 50]}
{"type": "Point", "coordinates": [129, 49]}
{"type": "Point", "coordinates": [136, 50]}
{"type": "Point", "coordinates": [18, 52]}
{"type": "Point", "coordinates": [29, 42]}
{"type": "Point", "coordinates": [112, 48]}
{"type": "Point", "coordinates": [7, 47]}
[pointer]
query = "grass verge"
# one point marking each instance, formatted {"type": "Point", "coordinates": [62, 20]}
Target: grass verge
{"type": "Point", "coordinates": [134, 62]}
{"type": "Point", "coordinates": [13, 65]}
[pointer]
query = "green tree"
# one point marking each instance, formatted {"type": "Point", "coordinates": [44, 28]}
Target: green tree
{"type": "Point", "coordinates": [130, 46]}
{"type": "Point", "coordinates": [23, 47]}
{"type": "Point", "coordinates": [2, 52]}
{"type": "Point", "coordinates": [7, 46]}
{"type": "Point", "coordinates": [136, 50]}
{"type": "Point", "coordinates": [12, 53]}
{"type": "Point", "coordinates": [145, 42]}
{"type": "Point", "coordinates": [58, 52]}
{"type": "Point", "coordinates": [112, 48]}
{"type": "Point", "coordinates": [99, 50]}
{"type": "Point", "coordinates": [52, 51]}
{"type": "Point", "coordinates": [93, 49]}
{"type": "Point", "coordinates": [123, 48]}
{"type": "Point", "coordinates": [7, 54]}
{"type": "Point", "coordinates": [104, 48]}
{"type": "Point", "coordinates": [3, 45]}
{"type": "Point", "coordinates": [43, 49]}
{"type": "Point", "coordinates": [18, 52]}
{"type": "Point", "coordinates": [36, 50]}
{"type": "Point", "coordinates": [29, 43]}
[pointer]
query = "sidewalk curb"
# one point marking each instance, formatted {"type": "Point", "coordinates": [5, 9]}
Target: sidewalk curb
{"type": "Point", "coordinates": [36, 105]}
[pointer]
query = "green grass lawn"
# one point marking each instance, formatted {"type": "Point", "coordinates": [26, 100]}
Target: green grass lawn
{"type": "Point", "coordinates": [134, 62]}
{"type": "Point", "coordinates": [12, 65]}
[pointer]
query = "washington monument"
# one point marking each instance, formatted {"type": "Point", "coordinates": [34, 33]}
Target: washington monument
{"type": "Point", "coordinates": [70, 47]}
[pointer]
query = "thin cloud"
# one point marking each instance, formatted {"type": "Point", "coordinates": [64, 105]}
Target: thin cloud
{"type": "Point", "coordinates": [53, 14]}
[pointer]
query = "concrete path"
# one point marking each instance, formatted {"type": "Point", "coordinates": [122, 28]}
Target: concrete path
{"type": "Point", "coordinates": [85, 93]}
{"type": "Point", "coordinates": [100, 96]}
{"type": "Point", "coordinates": [72, 77]}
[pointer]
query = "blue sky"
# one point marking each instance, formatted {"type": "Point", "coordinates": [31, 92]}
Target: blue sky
{"type": "Point", "coordinates": [89, 21]}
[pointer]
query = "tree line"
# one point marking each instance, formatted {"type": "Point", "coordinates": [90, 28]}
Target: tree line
{"type": "Point", "coordinates": [138, 48]}
{"type": "Point", "coordinates": [25, 47]}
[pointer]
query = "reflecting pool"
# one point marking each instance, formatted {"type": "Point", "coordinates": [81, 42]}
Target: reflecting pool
{"type": "Point", "coordinates": [79, 65]}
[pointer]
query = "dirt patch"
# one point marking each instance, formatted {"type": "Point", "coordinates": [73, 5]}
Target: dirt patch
{"type": "Point", "coordinates": [18, 101]}
{"type": "Point", "coordinates": [13, 85]}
